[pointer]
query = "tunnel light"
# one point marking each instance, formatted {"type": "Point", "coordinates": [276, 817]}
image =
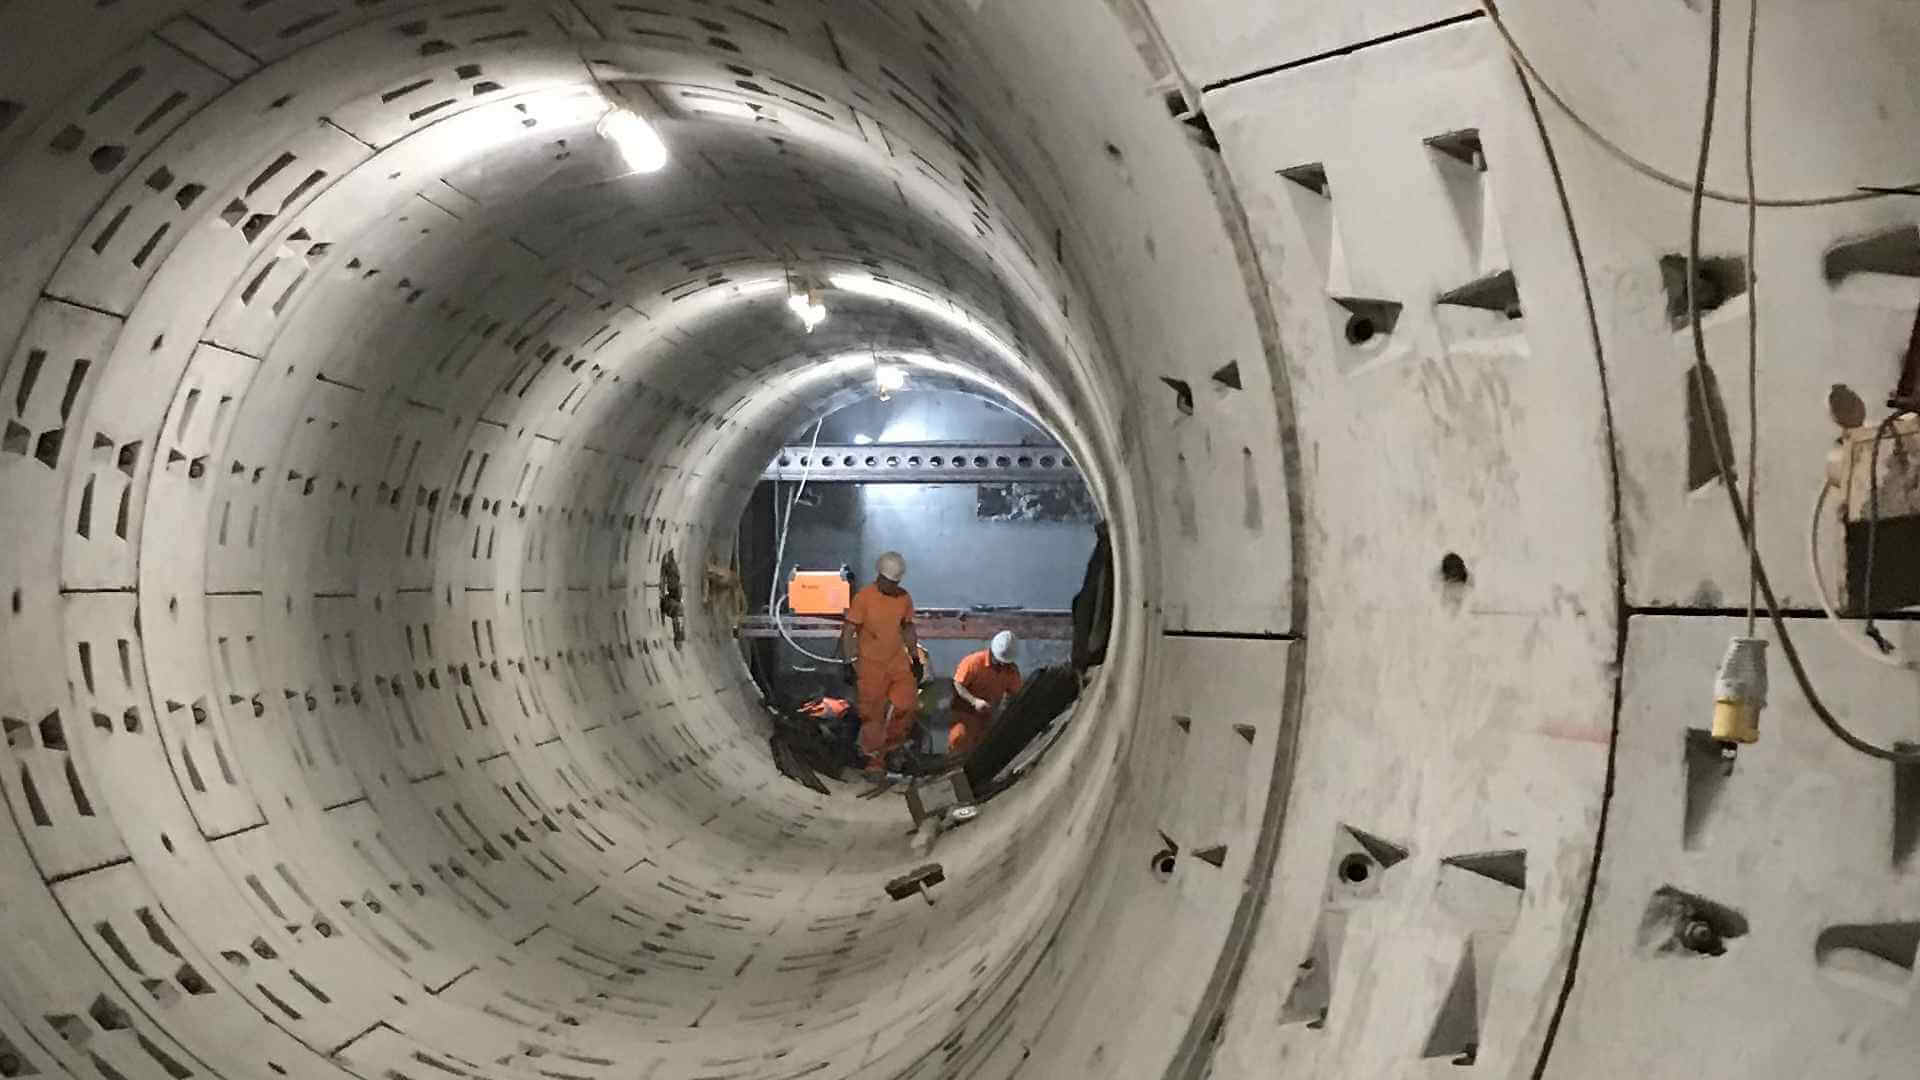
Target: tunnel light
{"type": "Point", "coordinates": [636, 140]}
{"type": "Point", "coordinates": [808, 308]}
{"type": "Point", "coordinates": [890, 377]}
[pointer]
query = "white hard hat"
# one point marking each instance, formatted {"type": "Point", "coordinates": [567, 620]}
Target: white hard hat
{"type": "Point", "coordinates": [1004, 647]}
{"type": "Point", "coordinates": [892, 566]}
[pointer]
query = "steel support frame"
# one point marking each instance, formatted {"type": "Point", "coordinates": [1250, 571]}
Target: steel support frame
{"type": "Point", "coordinates": [923, 463]}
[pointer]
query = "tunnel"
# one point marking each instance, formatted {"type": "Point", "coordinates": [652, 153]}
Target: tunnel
{"type": "Point", "coordinates": [360, 383]}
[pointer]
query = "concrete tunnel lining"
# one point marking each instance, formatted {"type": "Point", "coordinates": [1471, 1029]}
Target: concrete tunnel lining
{"type": "Point", "coordinates": [328, 755]}
{"type": "Point", "coordinates": [344, 821]}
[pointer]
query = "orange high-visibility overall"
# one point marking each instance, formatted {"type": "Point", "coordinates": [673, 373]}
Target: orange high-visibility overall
{"type": "Point", "coordinates": [988, 681]}
{"type": "Point", "coordinates": [883, 675]}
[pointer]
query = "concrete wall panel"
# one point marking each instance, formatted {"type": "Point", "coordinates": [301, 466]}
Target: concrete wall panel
{"type": "Point", "coordinates": [1799, 859]}
{"type": "Point", "coordinates": [1441, 823]}
{"type": "Point", "coordinates": [1219, 40]}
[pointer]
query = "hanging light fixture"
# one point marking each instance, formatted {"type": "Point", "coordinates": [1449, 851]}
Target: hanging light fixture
{"type": "Point", "coordinates": [890, 378]}
{"type": "Point", "coordinates": [807, 306]}
{"type": "Point", "coordinates": [639, 144]}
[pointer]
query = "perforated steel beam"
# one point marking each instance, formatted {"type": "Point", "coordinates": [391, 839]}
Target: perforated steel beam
{"type": "Point", "coordinates": [923, 463]}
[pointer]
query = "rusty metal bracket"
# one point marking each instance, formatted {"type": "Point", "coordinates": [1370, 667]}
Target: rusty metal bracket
{"type": "Point", "coordinates": [932, 624]}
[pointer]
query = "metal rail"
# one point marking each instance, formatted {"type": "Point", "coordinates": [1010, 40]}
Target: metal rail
{"type": "Point", "coordinates": [939, 624]}
{"type": "Point", "coordinates": [924, 463]}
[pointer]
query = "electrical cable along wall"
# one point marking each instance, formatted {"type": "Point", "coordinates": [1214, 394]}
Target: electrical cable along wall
{"type": "Point", "coordinates": [1516, 582]}
{"type": "Point", "coordinates": [356, 391]}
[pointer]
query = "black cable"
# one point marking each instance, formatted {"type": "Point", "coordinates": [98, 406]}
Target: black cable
{"type": "Point", "coordinates": [1873, 531]}
{"type": "Point", "coordinates": [1720, 453]}
{"type": "Point", "coordinates": [1753, 321]}
{"type": "Point", "coordinates": [1627, 158]}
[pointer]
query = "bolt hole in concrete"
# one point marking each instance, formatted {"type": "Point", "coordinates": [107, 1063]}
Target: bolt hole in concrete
{"type": "Point", "coordinates": [1682, 923]}
{"type": "Point", "coordinates": [1182, 394]}
{"type": "Point", "coordinates": [1165, 859]}
{"type": "Point", "coordinates": [1453, 569]}
{"type": "Point", "coordinates": [1356, 869]}
{"type": "Point", "coordinates": [1360, 329]}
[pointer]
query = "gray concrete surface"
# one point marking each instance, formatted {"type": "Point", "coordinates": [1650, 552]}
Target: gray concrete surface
{"type": "Point", "coordinates": [353, 398]}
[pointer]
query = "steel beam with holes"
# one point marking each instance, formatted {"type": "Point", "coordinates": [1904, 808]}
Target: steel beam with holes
{"type": "Point", "coordinates": [932, 625]}
{"type": "Point", "coordinates": [923, 463]}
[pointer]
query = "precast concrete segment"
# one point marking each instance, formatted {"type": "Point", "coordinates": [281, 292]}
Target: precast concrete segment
{"type": "Point", "coordinates": [359, 400]}
{"type": "Point", "coordinates": [355, 398]}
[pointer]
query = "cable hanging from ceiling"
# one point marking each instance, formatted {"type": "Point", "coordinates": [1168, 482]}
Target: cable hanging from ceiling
{"type": "Point", "coordinates": [775, 598]}
{"type": "Point", "coordinates": [1651, 172]}
{"type": "Point", "coordinates": [1721, 452]}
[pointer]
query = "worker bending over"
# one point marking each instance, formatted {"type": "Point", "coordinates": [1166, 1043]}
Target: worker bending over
{"type": "Point", "coordinates": [879, 638]}
{"type": "Point", "coordinates": [981, 682]}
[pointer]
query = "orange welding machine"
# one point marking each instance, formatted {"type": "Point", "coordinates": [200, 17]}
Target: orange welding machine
{"type": "Point", "coordinates": [818, 592]}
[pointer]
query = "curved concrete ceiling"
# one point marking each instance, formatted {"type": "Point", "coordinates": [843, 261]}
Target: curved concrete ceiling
{"type": "Point", "coordinates": [354, 397]}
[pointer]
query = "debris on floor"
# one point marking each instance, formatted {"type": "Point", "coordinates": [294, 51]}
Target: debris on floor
{"type": "Point", "coordinates": [917, 881]}
{"type": "Point", "coordinates": [814, 739]}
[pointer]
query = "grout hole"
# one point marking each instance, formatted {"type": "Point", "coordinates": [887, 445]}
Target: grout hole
{"type": "Point", "coordinates": [107, 158]}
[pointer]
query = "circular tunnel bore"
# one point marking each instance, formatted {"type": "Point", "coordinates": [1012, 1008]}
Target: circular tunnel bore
{"type": "Point", "coordinates": [358, 379]}
{"type": "Point", "coordinates": [382, 424]}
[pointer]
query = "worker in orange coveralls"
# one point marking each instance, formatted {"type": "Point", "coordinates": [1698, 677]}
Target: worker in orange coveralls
{"type": "Point", "coordinates": [981, 682]}
{"type": "Point", "coordinates": [879, 637]}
